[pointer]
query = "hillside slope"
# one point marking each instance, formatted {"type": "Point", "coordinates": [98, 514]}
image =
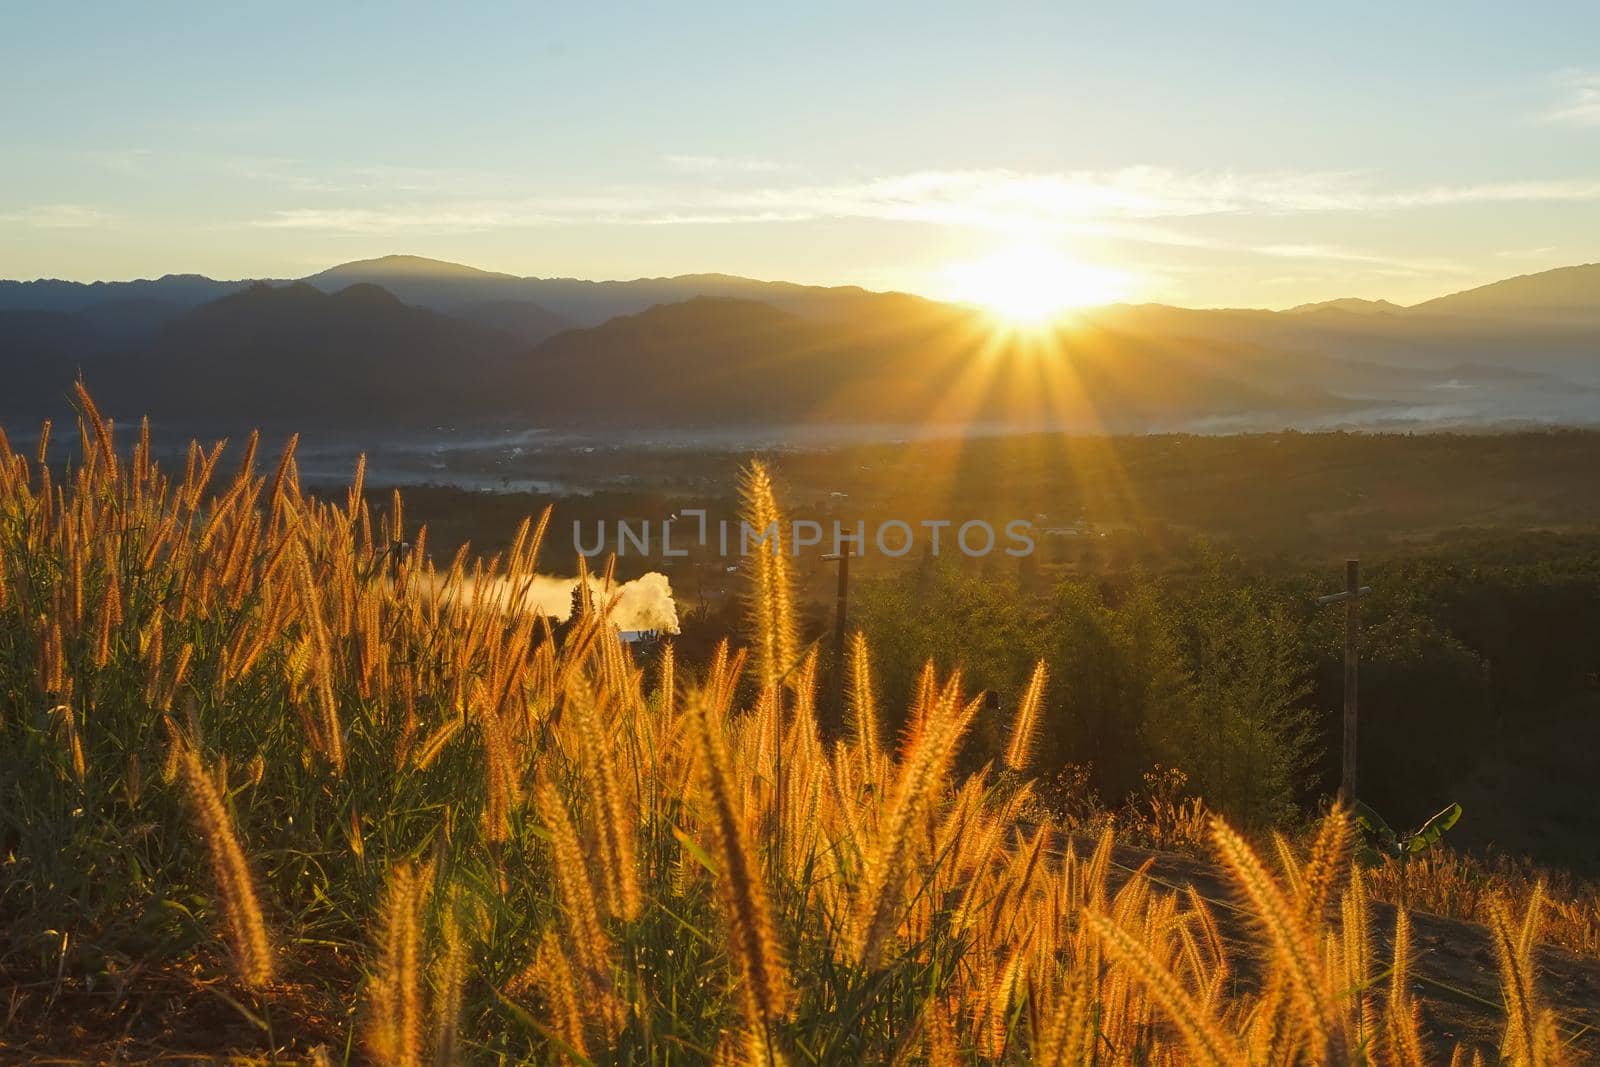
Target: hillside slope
{"type": "Point", "coordinates": [272, 352]}
{"type": "Point", "coordinates": [1566, 294]}
{"type": "Point", "coordinates": [455, 288]}
{"type": "Point", "coordinates": [742, 362]}
{"type": "Point", "coordinates": [452, 341]}
{"type": "Point", "coordinates": [1453, 972]}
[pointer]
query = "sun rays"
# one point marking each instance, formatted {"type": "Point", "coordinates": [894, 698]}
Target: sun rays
{"type": "Point", "coordinates": [1030, 284]}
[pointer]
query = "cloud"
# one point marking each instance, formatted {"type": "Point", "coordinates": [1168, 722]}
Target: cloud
{"type": "Point", "coordinates": [646, 209]}
{"type": "Point", "coordinates": [998, 198]}
{"type": "Point", "coordinates": [1381, 264]}
{"type": "Point", "coordinates": [1563, 191]}
{"type": "Point", "coordinates": [1580, 104]}
{"type": "Point", "coordinates": [1132, 203]}
{"type": "Point", "coordinates": [692, 164]}
{"type": "Point", "coordinates": [994, 197]}
{"type": "Point", "coordinates": [1541, 252]}
{"type": "Point", "coordinates": [57, 217]}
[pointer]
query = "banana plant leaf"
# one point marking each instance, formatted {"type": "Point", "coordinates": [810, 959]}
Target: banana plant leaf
{"type": "Point", "coordinates": [1373, 823]}
{"type": "Point", "coordinates": [1428, 834]}
{"type": "Point", "coordinates": [1380, 839]}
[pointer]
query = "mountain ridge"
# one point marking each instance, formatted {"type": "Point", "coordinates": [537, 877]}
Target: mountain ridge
{"type": "Point", "coordinates": [1570, 287]}
{"type": "Point", "coordinates": [1565, 291]}
{"type": "Point", "coordinates": [447, 339]}
{"type": "Point", "coordinates": [280, 352]}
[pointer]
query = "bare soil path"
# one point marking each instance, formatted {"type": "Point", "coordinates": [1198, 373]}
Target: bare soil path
{"type": "Point", "coordinates": [1455, 974]}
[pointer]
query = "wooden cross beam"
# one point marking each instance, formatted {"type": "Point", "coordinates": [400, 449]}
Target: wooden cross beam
{"type": "Point", "coordinates": [1350, 598]}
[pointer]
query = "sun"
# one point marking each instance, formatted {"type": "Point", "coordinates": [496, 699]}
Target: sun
{"type": "Point", "coordinates": [1031, 284]}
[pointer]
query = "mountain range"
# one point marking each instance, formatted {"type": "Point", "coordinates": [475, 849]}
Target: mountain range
{"type": "Point", "coordinates": [407, 341]}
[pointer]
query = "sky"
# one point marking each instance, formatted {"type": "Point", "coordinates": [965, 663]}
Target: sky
{"type": "Point", "coordinates": [1201, 154]}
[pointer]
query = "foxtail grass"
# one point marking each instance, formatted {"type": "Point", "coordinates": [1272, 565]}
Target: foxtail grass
{"type": "Point", "coordinates": [1025, 725]}
{"type": "Point", "coordinates": [247, 929]}
{"type": "Point", "coordinates": [756, 959]}
{"type": "Point", "coordinates": [395, 1021]}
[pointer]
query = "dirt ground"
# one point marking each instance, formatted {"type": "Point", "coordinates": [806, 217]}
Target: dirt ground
{"type": "Point", "coordinates": [1455, 975]}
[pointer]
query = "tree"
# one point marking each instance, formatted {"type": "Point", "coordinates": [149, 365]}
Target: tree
{"type": "Point", "coordinates": [1247, 736]}
{"type": "Point", "coordinates": [957, 619]}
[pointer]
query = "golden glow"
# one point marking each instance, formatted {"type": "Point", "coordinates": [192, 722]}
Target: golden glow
{"type": "Point", "coordinates": [1030, 284]}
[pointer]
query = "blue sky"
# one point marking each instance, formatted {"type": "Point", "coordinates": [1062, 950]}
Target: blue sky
{"type": "Point", "coordinates": [1253, 155]}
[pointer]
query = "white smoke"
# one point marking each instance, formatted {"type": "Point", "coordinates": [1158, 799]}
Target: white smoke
{"type": "Point", "coordinates": [643, 604]}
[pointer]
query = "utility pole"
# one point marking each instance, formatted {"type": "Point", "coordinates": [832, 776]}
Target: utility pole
{"type": "Point", "coordinates": [1350, 598]}
{"type": "Point", "coordinates": [840, 618]}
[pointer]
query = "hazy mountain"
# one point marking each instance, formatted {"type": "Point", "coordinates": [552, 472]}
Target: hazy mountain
{"type": "Point", "coordinates": [180, 292]}
{"type": "Point", "coordinates": [443, 340]}
{"type": "Point", "coordinates": [591, 303]}
{"type": "Point", "coordinates": [41, 351]}
{"type": "Point", "coordinates": [92, 316]}
{"type": "Point", "coordinates": [697, 355]}
{"type": "Point", "coordinates": [1566, 294]}
{"type": "Point", "coordinates": [1349, 305]}
{"type": "Point", "coordinates": [521, 318]}
{"type": "Point", "coordinates": [74, 335]}
{"type": "Point", "coordinates": [456, 289]}
{"type": "Point", "coordinates": [289, 352]}
{"type": "Point", "coordinates": [1417, 337]}
{"type": "Point", "coordinates": [429, 283]}
{"type": "Point", "coordinates": [716, 360]}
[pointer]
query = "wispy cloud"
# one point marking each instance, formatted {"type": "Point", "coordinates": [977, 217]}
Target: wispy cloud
{"type": "Point", "coordinates": [642, 207]}
{"type": "Point", "coordinates": [1580, 99]}
{"type": "Point", "coordinates": [56, 217]}
{"type": "Point", "coordinates": [1134, 203]}
{"type": "Point", "coordinates": [995, 197]}
{"type": "Point", "coordinates": [1000, 198]}
{"type": "Point", "coordinates": [1377, 263]}
{"type": "Point", "coordinates": [1540, 252]}
{"type": "Point", "coordinates": [693, 164]}
{"type": "Point", "coordinates": [1556, 191]}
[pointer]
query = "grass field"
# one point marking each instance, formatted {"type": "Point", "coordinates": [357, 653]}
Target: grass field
{"type": "Point", "coordinates": [268, 784]}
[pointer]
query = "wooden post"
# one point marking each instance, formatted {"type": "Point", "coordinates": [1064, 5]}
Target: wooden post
{"type": "Point", "coordinates": [1351, 599]}
{"type": "Point", "coordinates": [1352, 626]}
{"type": "Point", "coordinates": [840, 620]}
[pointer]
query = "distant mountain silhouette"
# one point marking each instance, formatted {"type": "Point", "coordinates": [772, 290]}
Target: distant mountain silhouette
{"type": "Point", "coordinates": [442, 340]}
{"type": "Point", "coordinates": [429, 283]}
{"type": "Point", "coordinates": [521, 318]}
{"type": "Point", "coordinates": [1349, 305]}
{"type": "Point", "coordinates": [452, 287]}
{"type": "Point", "coordinates": [716, 360]}
{"type": "Point", "coordinates": [1415, 337]}
{"type": "Point", "coordinates": [180, 292]}
{"type": "Point", "coordinates": [701, 355]}
{"type": "Point", "coordinates": [284, 352]}
{"type": "Point", "coordinates": [499, 301]}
